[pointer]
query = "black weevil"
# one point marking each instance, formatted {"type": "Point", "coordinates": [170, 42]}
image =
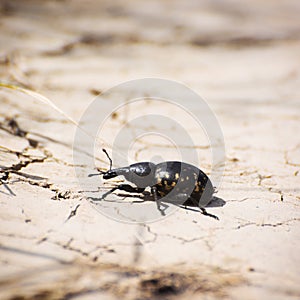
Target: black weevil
{"type": "Point", "coordinates": [189, 185]}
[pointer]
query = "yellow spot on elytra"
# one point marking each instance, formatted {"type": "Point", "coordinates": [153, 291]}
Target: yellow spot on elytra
{"type": "Point", "coordinates": [167, 175]}
{"type": "Point", "coordinates": [173, 184]}
{"type": "Point", "coordinates": [168, 187]}
{"type": "Point", "coordinates": [197, 187]}
{"type": "Point", "coordinates": [176, 176]}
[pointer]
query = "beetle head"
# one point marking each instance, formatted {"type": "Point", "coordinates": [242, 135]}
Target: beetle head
{"type": "Point", "coordinates": [109, 174]}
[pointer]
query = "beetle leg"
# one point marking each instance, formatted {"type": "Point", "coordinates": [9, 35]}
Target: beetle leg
{"type": "Point", "coordinates": [130, 189]}
{"type": "Point", "coordinates": [185, 198]}
{"type": "Point", "coordinates": [203, 210]}
{"type": "Point", "coordinates": [158, 203]}
{"type": "Point", "coordinates": [107, 193]}
{"type": "Point", "coordinates": [205, 213]}
{"type": "Point", "coordinates": [123, 187]}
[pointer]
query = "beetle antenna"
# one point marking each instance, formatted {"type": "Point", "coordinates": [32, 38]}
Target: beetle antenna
{"type": "Point", "coordinates": [110, 160]}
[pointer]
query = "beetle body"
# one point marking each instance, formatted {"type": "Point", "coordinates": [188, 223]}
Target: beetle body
{"type": "Point", "coordinates": [183, 179]}
{"type": "Point", "coordinates": [172, 181]}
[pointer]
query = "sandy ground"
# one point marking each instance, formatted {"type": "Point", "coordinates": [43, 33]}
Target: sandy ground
{"type": "Point", "coordinates": [242, 58]}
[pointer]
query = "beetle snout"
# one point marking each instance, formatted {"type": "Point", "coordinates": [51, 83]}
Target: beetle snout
{"type": "Point", "coordinates": [109, 174]}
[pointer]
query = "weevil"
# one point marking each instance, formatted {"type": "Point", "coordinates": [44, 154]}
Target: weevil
{"type": "Point", "coordinates": [171, 181]}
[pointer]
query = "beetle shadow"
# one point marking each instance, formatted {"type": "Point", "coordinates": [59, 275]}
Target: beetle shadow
{"type": "Point", "coordinates": [216, 202]}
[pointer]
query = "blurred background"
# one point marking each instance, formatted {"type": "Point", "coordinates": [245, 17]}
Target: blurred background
{"type": "Point", "coordinates": [233, 52]}
{"type": "Point", "coordinates": [58, 44]}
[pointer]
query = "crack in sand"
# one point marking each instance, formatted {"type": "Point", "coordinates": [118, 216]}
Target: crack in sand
{"type": "Point", "coordinates": [12, 127]}
{"type": "Point", "coordinates": [73, 212]}
{"type": "Point", "coordinates": [286, 222]}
